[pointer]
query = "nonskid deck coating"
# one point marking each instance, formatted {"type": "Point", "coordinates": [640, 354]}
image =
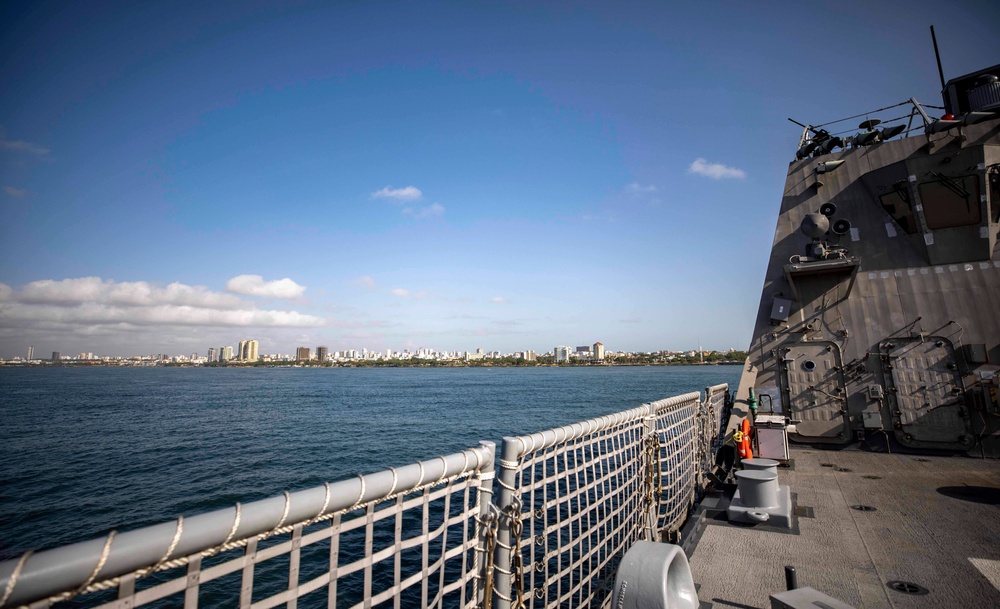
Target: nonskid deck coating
{"type": "Point", "coordinates": [947, 542]}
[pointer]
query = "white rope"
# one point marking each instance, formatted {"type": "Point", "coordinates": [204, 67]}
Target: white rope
{"type": "Point", "coordinates": [444, 469]}
{"type": "Point", "coordinates": [13, 576]}
{"type": "Point", "coordinates": [326, 500]}
{"type": "Point", "coordinates": [170, 550]}
{"type": "Point", "coordinates": [288, 505]}
{"type": "Point", "coordinates": [236, 523]}
{"type": "Point", "coordinates": [100, 563]}
{"type": "Point", "coordinates": [361, 494]}
{"type": "Point", "coordinates": [395, 481]}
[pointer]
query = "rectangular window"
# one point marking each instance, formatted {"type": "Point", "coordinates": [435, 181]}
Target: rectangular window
{"type": "Point", "coordinates": [950, 202]}
{"type": "Point", "coordinates": [897, 204]}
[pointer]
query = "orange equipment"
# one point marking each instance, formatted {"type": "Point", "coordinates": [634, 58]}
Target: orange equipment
{"type": "Point", "coordinates": [741, 437]}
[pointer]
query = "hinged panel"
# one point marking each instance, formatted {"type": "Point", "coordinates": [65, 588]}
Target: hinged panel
{"type": "Point", "coordinates": [927, 393]}
{"type": "Point", "coordinates": [813, 377]}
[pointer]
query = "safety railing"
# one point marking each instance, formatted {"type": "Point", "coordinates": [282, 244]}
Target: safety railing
{"type": "Point", "coordinates": [679, 440]}
{"type": "Point", "coordinates": [407, 536]}
{"type": "Point", "coordinates": [572, 500]}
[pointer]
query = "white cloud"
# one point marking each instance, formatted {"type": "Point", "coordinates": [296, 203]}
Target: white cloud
{"type": "Point", "coordinates": [366, 282]}
{"type": "Point", "coordinates": [499, 300]}
{"type": "Point", "coordinates": [434, 210]}
{"type": "Point", "coordinates": [84, 303]}
{"type": "Point", "coordinates": [254, 285]}
{"type": "Point", "coordinates": [21, 146]}
{"type": "Point", "coordinates": [716, 171]}
{"type": "Point", "coordinates": [398, 195]}
{"type": "Point", "coordinates": [638, 189]}
{"type": "Point", "coordinates": [17, 193]}
{"type": "Point", "coordinates": [161, 315]}
{"type": "Point", "coordinates": [408, 294]}
{"type": "Point", "coordinates": [128, 293]}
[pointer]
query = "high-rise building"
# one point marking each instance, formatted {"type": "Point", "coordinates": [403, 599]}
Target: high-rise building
{"type": "Point", "coordinates": [31, 353]}
{"type": "Point", "coordinates": [598, 351]}
{"type": "Point", "coordinates": [248, 350]}
{"type": "Point", "coordinates": [225, 354]}
{"type": "Point", "coordinates": [322, 353]}
{"type": "Point", "coordinates": [56, 356]}
{"type": "Point", "coordinates": [213, 354]}
{"type": "Point", "coordinates": [529, 356]}
{"type": "Point", "coordinates": [302, 354]}
{"type": "Point", "coordinates": [561, 354]}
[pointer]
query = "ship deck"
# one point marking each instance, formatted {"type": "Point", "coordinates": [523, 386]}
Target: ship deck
{"type": "Point", "coordinates": [936, 523]}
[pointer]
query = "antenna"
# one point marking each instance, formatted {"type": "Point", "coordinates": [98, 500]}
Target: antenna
{"type": "Point", "coordinates": [938, 57]}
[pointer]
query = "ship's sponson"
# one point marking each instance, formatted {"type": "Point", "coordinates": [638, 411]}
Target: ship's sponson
{"type": "Point", "coordinates": [879, 312]}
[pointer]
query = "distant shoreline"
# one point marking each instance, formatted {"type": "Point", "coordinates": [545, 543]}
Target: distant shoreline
{"type": "Point", "coordinates": [359, 365]}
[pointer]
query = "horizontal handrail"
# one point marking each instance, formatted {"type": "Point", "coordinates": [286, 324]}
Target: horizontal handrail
{"type": "Point", "coordinates": [49, 572]}
{"type": "Point", "coordinates": [550, 437]}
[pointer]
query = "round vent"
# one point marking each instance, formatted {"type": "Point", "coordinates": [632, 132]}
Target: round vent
{"type": "Point", "coordinates": [828, 209]}
{"type": "Point", "coordinates": [841, 227]}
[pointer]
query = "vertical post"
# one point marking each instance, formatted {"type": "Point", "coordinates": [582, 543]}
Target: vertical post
{"type": "Point", "coordinates": [791, 581]}
{"type": "Point", "coordinates": [485, 500]}
{"type": "Point", "coordinates": [937, 56]}
{"type": "Point", "coordinates": [509, 456]}
{"type": "Point", "coordinates": [653, 510]}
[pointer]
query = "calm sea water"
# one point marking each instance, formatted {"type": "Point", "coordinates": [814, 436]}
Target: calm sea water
{"type": "Point", "coordinates": [83, 451]}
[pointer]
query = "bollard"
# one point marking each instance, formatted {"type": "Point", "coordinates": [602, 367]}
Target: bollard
{"type": "Point", "coordinates": [758, 464]}
{"type": "Point", "coordinates": [791, 581]}
{"type": "Point", "coordinates": [758, 489]}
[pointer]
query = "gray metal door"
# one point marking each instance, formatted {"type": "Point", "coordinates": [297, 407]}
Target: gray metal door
{"type": "Point", "coordinates": [927, 395]}
{"type": "Point", "coordinates": [814, 389]}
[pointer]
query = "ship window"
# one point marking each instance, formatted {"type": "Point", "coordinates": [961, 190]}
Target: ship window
{"type": "Point", "coordinates": [950, 202]}
{"type": "Point", "coordinates": [897, 205]}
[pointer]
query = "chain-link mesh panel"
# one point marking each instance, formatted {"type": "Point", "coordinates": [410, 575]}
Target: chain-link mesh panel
{"type": "Point", "coordinates": [583, 504]}
{"type": "Point", "coordinates": [418, 546]}
{"type": "Point", "coordinates": [678, 445]}
{"type": "Point", "coordinates": [717, 401]}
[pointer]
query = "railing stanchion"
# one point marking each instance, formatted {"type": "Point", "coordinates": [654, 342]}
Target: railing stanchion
{"type": "Point", "coordinates": [509, 455]}
{"type": "Point", "coordinates": [485, 500]}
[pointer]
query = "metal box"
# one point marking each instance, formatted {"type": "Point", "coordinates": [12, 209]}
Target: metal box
{"type": "Point", "coordinates": [780, 308]}
{"type": "Point", "coordinates": [976, 353]}
{"type": "Point", "coordinates": [772, 437]}
{"type": "Point", "coordinates": [872, 420]}
{"type": "Point", "coordinates": [875, 392]}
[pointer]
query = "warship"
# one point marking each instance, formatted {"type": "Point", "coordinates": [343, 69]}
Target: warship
{"type": "Point", "coordinates": [872, 374]}
{"type": "Point", "coordinates": [862, 439]}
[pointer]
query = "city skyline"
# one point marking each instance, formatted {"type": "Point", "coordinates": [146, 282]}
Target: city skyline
{"type": "Point", "coordinates": [401, 175]}
{"type": "Point", "coordinates": [247, 353]}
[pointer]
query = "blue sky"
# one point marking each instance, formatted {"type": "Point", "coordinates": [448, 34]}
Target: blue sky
{"type": "Point", "coordinates": [446, 175]}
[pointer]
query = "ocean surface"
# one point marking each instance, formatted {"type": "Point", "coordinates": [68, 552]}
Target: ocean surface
{"type": "Point", "coordinates": [84, 451]}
